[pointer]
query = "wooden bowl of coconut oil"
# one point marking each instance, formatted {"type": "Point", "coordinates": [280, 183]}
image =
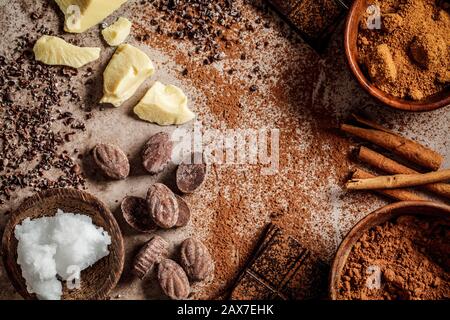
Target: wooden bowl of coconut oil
{"type": "Point", "coordinates": [95, 281]}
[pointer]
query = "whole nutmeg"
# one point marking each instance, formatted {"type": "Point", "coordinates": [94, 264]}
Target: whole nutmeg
{"type": "Point", "coordinates": [162, 205]}
{"type": "Point", "coordinates": [152, 253]}
{"type": "Point", "coordinates": [196, 259]}
{"type": "Point", "coordinates": [190, 175]}
{"type": "Point", "coordinates": [157, 153]}
{"type": "Point", "coordinates": [111, 160]}
{"type": "Point", "coordinates": [173, 280]}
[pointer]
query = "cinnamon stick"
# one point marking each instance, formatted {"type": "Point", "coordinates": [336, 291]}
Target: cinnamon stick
{"type": "Point", "coordinates": [397, 194]}
{"type": "Point", "coordinates": [408, 149]}
{"type": "Point", "coordinates": [390, 166]}
{"type": "Point", "coordinates": [399, 181]}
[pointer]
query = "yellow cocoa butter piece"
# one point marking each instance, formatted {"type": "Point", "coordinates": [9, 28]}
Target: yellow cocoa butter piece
{"type": "Point", "coordinates": [164, 105]}
{"type": "Point", "coordinates": [116, 33]}
{"type": "Point", "coordinates": [128, 69]}
{"type": "Point", "coordinates": [55, 51]}
{"type": "Point", "coordinates": [81, 15]}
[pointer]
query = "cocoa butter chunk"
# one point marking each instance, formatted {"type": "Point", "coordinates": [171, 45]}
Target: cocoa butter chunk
{"type": "Point", "coordinates": [381, 65]}
{"type": "Point", "coordinates": [190, 176]}
{"type": "Point", "coordinates": [128, 68]}
{"type": "Point", "coordinates": [173, 280]}
{"type": "Point", "coordinates": [81, 15]}
{"type": "Point", "coordinates": [196, 259]}
{"type": "Point", "coordinates": [135, 213]}
{"type": "Point", "coordinates": [152, 253]}
{"type": "Point", "coordinates": [184, 212]}
{"type": "Point", "coordinates": [117, 33]}
{"type": "Point", "coordinates": [157, 153]}
{"type": "Point", "coordinates": [162, 205]}
{"type": "Point", "coordinates": [55, 51]}
{"type": "Point", "coordinates": [112, 161]}
{"type": "Point", "coordinates": [165, 105]}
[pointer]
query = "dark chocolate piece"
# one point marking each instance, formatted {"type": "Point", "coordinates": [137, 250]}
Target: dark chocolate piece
{"type": "Point", "coordinates": [315, 20]}
{"type": "Point", "coordinates": [281, 269]}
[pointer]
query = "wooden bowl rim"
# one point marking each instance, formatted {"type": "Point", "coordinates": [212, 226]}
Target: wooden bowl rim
{"type": "Point", "coordinates": [387, 99]}
{"type": "Point", "coordinates": [386, 213]}
{"type": "Point", "coordinates": [117, 245]}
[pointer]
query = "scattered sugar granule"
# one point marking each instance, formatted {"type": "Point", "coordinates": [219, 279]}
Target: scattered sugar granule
{"type": "Point", "coordinates": [58, 246]}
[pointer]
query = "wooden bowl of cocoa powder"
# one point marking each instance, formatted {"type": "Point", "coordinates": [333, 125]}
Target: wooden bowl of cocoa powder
{"type": "Point", "coordinates": [412, 78]}
{"type": "Point", "coordinates": [399, 252]}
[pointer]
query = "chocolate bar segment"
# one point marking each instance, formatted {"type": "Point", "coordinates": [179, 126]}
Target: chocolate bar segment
{"type": "Point", "coordinates": [313, 17]}
{"type": "Point", "coordinates": [250, 287]}
{"type": "Point", "coordinates": [281, 269]}
{"type": "Point", "coordinates": [278, 259]}
{"type": "Point", "coordinates": [285, 6]}
{"type": "Point", "coordinates": [315, 20]}
{"type": "Point", "coordinates": [309, 281]}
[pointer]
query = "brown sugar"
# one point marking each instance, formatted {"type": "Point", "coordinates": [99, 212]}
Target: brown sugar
{"type": "Point", "coordinates": [409, 56]}
{"type": "Point", "coordinates": [428, 50]}
{"type": "Point", "coordinates": [381, 65]}
{"type": "Point", "coordinates": [411, 255]}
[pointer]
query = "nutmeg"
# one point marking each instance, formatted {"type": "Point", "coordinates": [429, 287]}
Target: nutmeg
{"type": "Point", "coordinates": [162, 205]}
{"type": "Point", "coordinates": [173, 280]}
{"type": "Point", "coordinates": [152, 253]}
{"type": "Point", "coordinates": [196, 259]}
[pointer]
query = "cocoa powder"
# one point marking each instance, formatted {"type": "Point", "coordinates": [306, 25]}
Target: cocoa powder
{"type": "Point", "coordinates": [233, 105]}
{"type": "Point", "coordinates": [408, 57]}
{"type": "Point", "coordinates": [412, 255]}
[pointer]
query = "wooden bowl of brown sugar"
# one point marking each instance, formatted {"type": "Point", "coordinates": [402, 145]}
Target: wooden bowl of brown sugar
{"type": "Point", "coordinates": [430, 102]}
{"type": "Point", "coordinates": [97, 280]}
{"type": "Point", "coordinates": [399, 252]}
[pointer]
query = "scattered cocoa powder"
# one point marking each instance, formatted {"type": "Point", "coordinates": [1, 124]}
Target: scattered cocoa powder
{"type": "Point", "coordinates": [409, 56]}
{"type": "Point", "coordinates": [412, 254]}
{"type": "Point", "coordinates": [238, 222]}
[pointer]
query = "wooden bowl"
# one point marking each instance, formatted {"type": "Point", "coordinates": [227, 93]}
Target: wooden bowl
{"type": "Point", "coordinates": [439, 100]}
{"type": "Point", "coordinates": [415, 208]}
{"type": "Point", "coordinates": [97, 280]}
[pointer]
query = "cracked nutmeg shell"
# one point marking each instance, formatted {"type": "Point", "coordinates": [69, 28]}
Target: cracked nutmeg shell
{"type": "Point", "coordinates": [184, 212]}
{"type": "Point", "coordinates": [162, 205]}
{"type": "Point", "coordinates": [152, 253]}
{"type": "Point", "coordinates": [173, 280]}
{"type": "Point", "coordinates": [196, 259]}
{"type": "Point", "coordinates": [135, 213]}
{"type": "Point", "coordinates": [112, 161]}
{"type": "Point", "coordinates": [157, 153]}
{"type": "Point", "coordinates": [190, 176]}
